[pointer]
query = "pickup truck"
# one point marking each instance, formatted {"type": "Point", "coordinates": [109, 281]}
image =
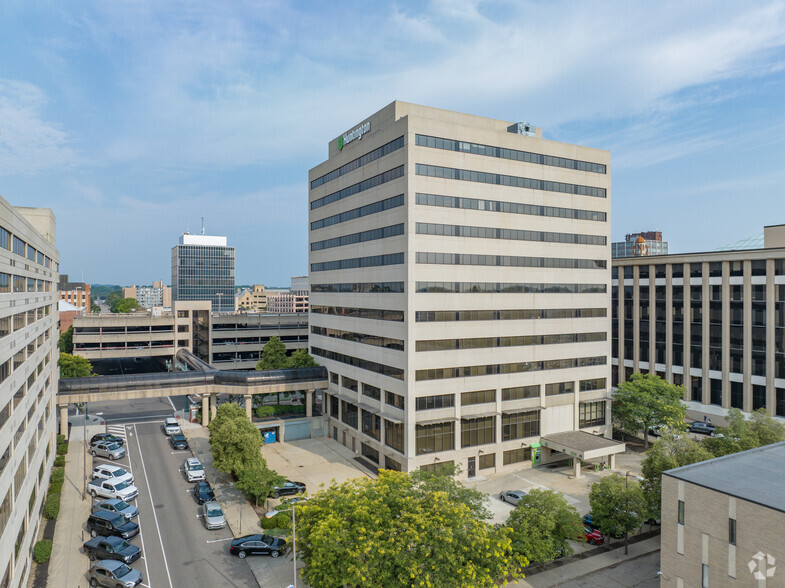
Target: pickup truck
{"type": "Point", "coordinates": [111, 548]}
{"type": "Point", "coordinates": [112, 489]}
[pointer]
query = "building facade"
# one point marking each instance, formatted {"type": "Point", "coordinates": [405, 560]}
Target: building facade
{"type": "Point", "coordinates": [459, 271]}
{"type": "Point", "coordinates": [637, 244]}
{"type": "Point", "coordinates": [722, 521]}
{"type": "Point", "coordinates": [711, 322]}
{"type": "Point", "coordinates": [203, 269]}
{"type": "Point", "coordinates": [252, 300]}
{"type": "Point", "coordinates": [28, 380]}
{"type": "Point", "coordinates": [295, 300]}
{"type": "Point", "coordinates": [159, 294]}
{"type": "Point", "coordinates": [76, 293]}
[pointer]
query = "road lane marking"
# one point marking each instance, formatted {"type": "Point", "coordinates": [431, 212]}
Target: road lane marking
{"type": "Point", "coordinates": [150, 494]}
{"type": "Point", "coordinates": [141, 535]}
{"type": "Point", "coordinates": [172, 403]}
{"type": "Point", "coordinates": [219, 540]}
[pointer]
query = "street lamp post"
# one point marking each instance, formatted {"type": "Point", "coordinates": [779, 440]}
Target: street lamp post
{"type": "Point", "coordinates": [219, 294]}
{"type": "Point", "coordinates": [294, 548]}
{"type": "Point", "coordinates": [84, 453]}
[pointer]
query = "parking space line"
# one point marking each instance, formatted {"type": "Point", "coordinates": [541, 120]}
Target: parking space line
{"type": "Point", "coordinates": [219, 540]}
{"type": "Point", "coordinates": [150, 494]}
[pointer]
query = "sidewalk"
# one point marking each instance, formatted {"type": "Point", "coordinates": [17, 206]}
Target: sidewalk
{"type": "Point", "coordinates": [572, 571]}
{"type": "Point", "coordinates": [68, 565]}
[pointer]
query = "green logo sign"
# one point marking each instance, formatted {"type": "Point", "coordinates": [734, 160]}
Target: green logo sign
{"type": "Point", "coordinates": [352, 135]}
{"type": "Point", "coordinates": [340, 143]}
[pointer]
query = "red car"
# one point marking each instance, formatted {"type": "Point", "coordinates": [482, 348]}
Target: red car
{"type": "Point", "coordinates": [593, 536]}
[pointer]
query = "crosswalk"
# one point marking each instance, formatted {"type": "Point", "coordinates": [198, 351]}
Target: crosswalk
{"type": "Point", "coordinates": [118, 430]}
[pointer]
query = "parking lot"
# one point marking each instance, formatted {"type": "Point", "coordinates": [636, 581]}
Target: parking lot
{"type": "Point", "coordinates": [177, 549]}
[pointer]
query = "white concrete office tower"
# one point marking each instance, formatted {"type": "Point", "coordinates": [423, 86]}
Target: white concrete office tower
{"type": "Point", "coordinates": [460, 271]}
{"type": "Point", "coordinates": [203, 269]}
{"type": "Point", "coordinates": [28, 380]}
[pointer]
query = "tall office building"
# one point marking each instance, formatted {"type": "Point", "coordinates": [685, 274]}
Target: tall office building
{"type": "Point", "coordinates": [459, 271]}
{"type": "Point", "coordinates": [203, 269]}
{"type": "Point", "coordinates": [28, 380]}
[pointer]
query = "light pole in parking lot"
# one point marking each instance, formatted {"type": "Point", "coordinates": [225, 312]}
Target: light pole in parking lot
{"type": "Point", "coordinates": [84, 453]}
{"type": "Point", "coordinates": [294, 549]}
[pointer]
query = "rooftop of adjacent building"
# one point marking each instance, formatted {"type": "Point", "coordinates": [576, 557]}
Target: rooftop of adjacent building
{"type": "Point", "coordinates": [203, 240]}
{"type": "Point", "coordinates": [756, 475]}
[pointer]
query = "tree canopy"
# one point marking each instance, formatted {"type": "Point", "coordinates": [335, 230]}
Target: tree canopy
{"type": "Point", "coordinates": [541, 524]}
{"type": "Point", "coordinates": [442, 479]}
{"type": "Point", "coordinates": [645, 401]}
{"type": "Point", "coordinates": [392, 531]}
{"type": "Point", "coordinates": [74, 366]}
{"type": "Point", "coordinates": [235, 443]}
{"type": "Point", "coordinates": [741, 434]}
{"type": "Point", "coordinates": [273, 355]}
{"type": "Point", "coordinates": [66, 341]}
{"type": "Point", "coordinates": [258, 480]}
{"type": "Point", "coordinates": [124, 305]}
{"type": "Point", "coordinates": [617, 505]}
{"type": "Point", "coordinates": [300, 359]}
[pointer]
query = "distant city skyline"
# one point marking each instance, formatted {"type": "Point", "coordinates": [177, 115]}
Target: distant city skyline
{"type": "Point", "coordinates": [134, 120]}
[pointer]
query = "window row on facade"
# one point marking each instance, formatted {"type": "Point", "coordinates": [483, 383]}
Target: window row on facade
{"type": "Point", "coordinates": [427, 257]}
{"type": "Point", "coordinates": [368, 209]}
{"type": "Point", "coordinates": [364, 364]}
{"type": "Point", "coordinates": [12, 283]}
{"type": "Point", "coordinates": [511, 341]}
{"type": "Point", "coordinates": [362, 237]}
{"type": "Point", "coordinates": [360, 288]}
{"type": "Point", "coordinates": [509, 288]}
{"type": "Point", "coordinates": [11, 242]}
{"type": "Point", "coordinates": [430, 316]}
{"type": "Point", "coordinates": [362, 186]}
{"type": "Point", "coordinates": [365, 159]}
{"type": "Point", "coordinates": [358, 262]}
{"type": "Point", "coordinates": [508, 368]}
{"type": "Point", "coordinates": [695, 269]}
{"type": "Point", "coordinates": [508, 234]}
{"type": "Point", "coordinates": [366, 339]}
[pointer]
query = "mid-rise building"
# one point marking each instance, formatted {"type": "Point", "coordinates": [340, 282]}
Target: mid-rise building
{"type": "Point", "coordinates": [640, 244]}
{"type": "Point", "coordinates": [459, 271]}
{"type": "Point", "coordinates": [203, 269]}
{"type": "Point", "coordinates": [76, 293]}
{"type": "Point", "coordinates": [159, 294]}
{"type": "Point", "coordinates": [713, 322]}
{"type": "Point", "coordinates": [722, 521]}
{"type": "Point", "coordinates": [295, 300]}
{"type": "Point", "coordinates": [252, 299]}
{"type": "Point", "coordinates": [28, 380]}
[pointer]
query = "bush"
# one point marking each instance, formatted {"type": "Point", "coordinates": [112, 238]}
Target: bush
{"type": "Point", "coordinates": [62, 448]}
{"type": "Point", "coordinates": [267, 523]}
{"type": "Point", "coordinates": [58, 475]}
{"type": "Point", "coordinates": [264, 411]}
{"type": "Point", "coordinates": [52, 505]}
{"type": "Point", "coordinates": [279, 409]}
{"type": "Point", "coordinates": [60, 461]}
{"type": "Point", "coordinates": [42, 550]}
{"type": "Point", "coordinates": [60, 439]}
{"type": "Point", "coordinates": [55, 487]}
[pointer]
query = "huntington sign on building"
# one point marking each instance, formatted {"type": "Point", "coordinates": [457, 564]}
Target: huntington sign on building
{"type": "Point", "coordinates": [459, 271]}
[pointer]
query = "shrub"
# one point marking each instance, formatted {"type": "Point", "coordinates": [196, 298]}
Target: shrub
{"type": "Point", "coordinates": [62, 448]}
{"type": "Point", "coordinates": [268, 523]}
{"type": "Point", "coordinates": [42, 550]}
{"type": "Point", "coordinates": [264, 411]}
{"type": "Point", "coordinates": [55, 487]}
{"type": "Point", "coordinates": [60, 439]}
{"type": "Point", "coordinates": [58, 475]}
{"type": "Point", "coordinates": [52, 505]}
{"type": "Point", "coordinates": [60, 461]}
{"type": "Point", "coordinates": [279, 409]}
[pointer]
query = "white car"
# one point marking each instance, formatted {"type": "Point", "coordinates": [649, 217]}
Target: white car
{"type": "Point", "coordinates": [171, 427]}
{"type": "Point", "coordinates": [112, 472]}
{"type": "Point", "coordinates": [193, 469]}
{"type": "Point", "coordinates": [110, 489]}
{"type": "Point", "coordinates": [512, 496]}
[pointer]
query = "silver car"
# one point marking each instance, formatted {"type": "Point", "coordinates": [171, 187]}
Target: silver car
{"type": "Point", "coordinates": [512, 496]}
{"type": "Point", "coordinates": [213, 515]}
{"type": "Point", "coordinates": [108, 450]}
{"type": "Point", "coordinates": [112, 574]}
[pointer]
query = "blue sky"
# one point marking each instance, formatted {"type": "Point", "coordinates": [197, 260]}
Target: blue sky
{"type": "Point", "coordinates": [133, 119]}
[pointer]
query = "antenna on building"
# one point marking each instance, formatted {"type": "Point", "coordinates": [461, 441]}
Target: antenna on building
{"type": "Point", "coordinates": [202, 225]}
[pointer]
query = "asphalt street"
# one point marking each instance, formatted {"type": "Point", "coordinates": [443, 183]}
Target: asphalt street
{"type": "Point", "coordinates": [635, 573]}
{"type": "Point", "coordinates": [135, 411]}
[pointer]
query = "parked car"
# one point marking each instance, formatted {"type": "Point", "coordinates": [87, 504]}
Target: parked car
{"type": "Point", "coordinates": [112, 574]}
{"type": "Point", "coordinates": [107, 523]}
{"type": "Point", "coordinates": [588, 521]}
{"type": "Point", "coordinates": [193, 469]}
{"type": "Point", "coordinates": [257, 545]}
{"type": "Point", "coordinates": [111, 489]}
{"type": "Point", "coordinates": [288, 489]}
{"type": "Point", "coordinates": [179, 441]}
{"type": "Point", "coordinates": [112, 472]}
{"type": "Point", "coordinates": [593, 536]}
{"type": "Point", "coordinates": [111, 548]}
{"type": "Point", "coordinates": [106, 438]}
{"type": "Point", "coordinates": [512, 496]}
{"type": "Point", "coordinates": [702, 428]}
{"type": "Point", "coordinates": [213, 515]}
{"type": "Point", "coordinates": [119, 506]}
{"type": "Point", "coordinates": [171, 427]}
{"type": "Point", "coordinates": [108, 450]}
{"type": "Point", "coordinates": [286, 505]}
{"type": "Point", "coordinates": [203, 492]}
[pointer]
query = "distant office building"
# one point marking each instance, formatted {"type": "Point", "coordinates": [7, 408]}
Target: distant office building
{"type": "Point", "coordinates": [203, 269]}
{"type": "Point", "coordinates": [76, 293]}
{"type": "Point", "coordinates": [28, 381]}
{"type": "Point", "coordinates": [67, 311]}
{"type": "Point", "coordinates": [722, 521]}
{"type": "Point", "coordinates": [148, 297]}
{"type": "Point", "coordinates": [459, 292]}
{"type": "Point", "coordinates": [295, 300]}
{"type": "Point", "coordinates": [713, 322]}
{"type": "Point", "coordinates": [640, 244]}
{"type": "Point", "coordinates": [251, 300]}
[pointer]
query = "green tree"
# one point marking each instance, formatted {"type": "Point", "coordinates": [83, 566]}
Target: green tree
{"type": "Point", "coordinates": [391, 532]}
{"type": "Point", "coordinates": [66, 342]}
{"type": "Point", "coordinates": [741, 434]}
{"type": "Point", "coordinates": [443, 480]}
{"type": "Point", "coordinates": [541, 524]}
{"type": "Point", "coordinates": [617, 505]}
{"type": "Point", "coordinates": [299, 359]}
{"type": "Point", "coordinates": [672, 450]}
{"type": "Point", "coordinates": [273, 355]}
{"type": "Point", "coordinates": [125, 305]}
{"type": "Point", "coordinates": [235, 443]}
{"type": "Point", "coordinates": [74, 366]}
{"type": "Point", "coordinates": [95, 308]}
{"type": "Point", "coordinates": [258, 480]}
{"type": "Point", "coordinates": [645, 401]}
{"type": "Point", "coordinates": [766, 428]}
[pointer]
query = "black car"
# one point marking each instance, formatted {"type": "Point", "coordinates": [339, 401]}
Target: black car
{"type": "Point", "coordinates": [257, 545]}
{"type": "Point", "coordinates": [288, 489]}
{"type": "Point", "coordinates": [111, 548]}
{"type": "Point", "coordinates": [703, 428]}
{"type": "Point", "coordinates": [106, 523]}
{"type": "Point", "coordinates": [179, 441]}
{"type": "Point", "coordinates": [108, 438]}
{"type": "Point", "coordinates": [203, 492]}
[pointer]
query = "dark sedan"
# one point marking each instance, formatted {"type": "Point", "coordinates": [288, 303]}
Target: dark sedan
{"type": "Point", "coordinates": [106, 438]}
{"type": "Point", "coordinates": [179, 441]}
{"type": "Point", "coordinates": [111, 548]}
{"type": "Point", "coordinates": [702, 428]}
{"type": "Point", "coordinates": [203, 492]}
{"type": "Point", "coordinates": [257, 545]}
{"type": "Point", "coordinates": [288, 489]}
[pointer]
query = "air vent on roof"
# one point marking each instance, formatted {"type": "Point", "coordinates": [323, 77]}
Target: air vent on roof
{"type": "Point", "coordinates": [523, 128]}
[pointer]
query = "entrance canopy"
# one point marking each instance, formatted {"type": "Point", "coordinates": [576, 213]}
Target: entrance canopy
{"type": "Point", "coordinates": [583, 446]}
